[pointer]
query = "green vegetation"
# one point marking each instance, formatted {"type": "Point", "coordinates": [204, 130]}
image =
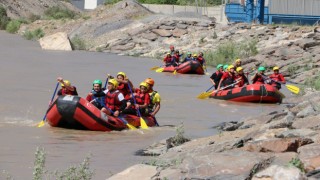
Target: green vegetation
{"type": "Point", "coordinates": [106, 2]}
{"type": "Point", "coordinates": [34, 35]}
{"type": "Point", "coordinates": [296, 162]}
{"type": "Point", "coordinates": [59, 13]}
{"type": "Point", "coordinates": [180, 2]}
{"type": "Point", "coordinates": [4, 19]}
{"type": "Point", "coordinates": [81, 172]}
{"type": "Point", "coordinates": [13, 26]}
{"type": "Point", "coordinates": [77, 43]}
{"type": "Point", "coordinates": [226, 53]}
{"type": "Point", "coordinates": [313, 82]}
{"type": "Point", "coordinates": [179, 138]}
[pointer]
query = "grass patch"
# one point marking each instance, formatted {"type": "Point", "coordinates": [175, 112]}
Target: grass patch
{"type": "Point", "coordinates": [78, 43]}
{"type": "Point", "coordinates": [59, 13]}
{"type": "Point", "coordinates": [4, 19]}
{"type": "Point", "coordinates": [227, 52]}
{"type": "Point", "coordinates": [34, 35]}
{"type": "Point", "coordinates": [314, 83]}
{"type": "Point", "coordinates": [13, 26]}
{"type": "Point", "coordinates": [296, 162]}
{"type": "Point", "coordinates": [108, 2]}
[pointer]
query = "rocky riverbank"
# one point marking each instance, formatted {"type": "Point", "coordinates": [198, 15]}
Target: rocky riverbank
{"type": "Point", "coordinates": [277, 145]}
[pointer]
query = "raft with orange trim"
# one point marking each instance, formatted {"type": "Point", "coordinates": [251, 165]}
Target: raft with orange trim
{"type": "Point", "coordinates": [189, 67]}
{"type": "Point", "coordinates": [74, 112]}
{"type": "Point", "coordinates": [257, 93]}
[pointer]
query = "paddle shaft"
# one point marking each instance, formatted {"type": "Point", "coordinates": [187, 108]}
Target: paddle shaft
{"type": "Point", "coordinates": [105, 85]}
{"type": "Point", "coordinates": [54, 93]}
{"type": "Point", "coordinates": [134, 100]}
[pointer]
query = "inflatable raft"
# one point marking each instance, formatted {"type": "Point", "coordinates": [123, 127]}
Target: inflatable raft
{"type": "Point", "coordinates": [258, 93]}
{"type": "Point", "coordinates": [189, 67]}
{"type": "Point", "coordinates": [74, 112]}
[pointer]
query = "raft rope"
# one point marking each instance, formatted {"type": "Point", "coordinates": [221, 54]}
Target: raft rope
{"type": "Point", "coordinates": [262, 93]}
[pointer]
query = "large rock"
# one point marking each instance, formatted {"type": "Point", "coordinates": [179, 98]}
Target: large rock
{"type": "Point", "coordinates": [179, 32]}
{"type": "Point", "coordinates": [310, 156]}
{"type": "Point", "coordinates": [276, 172]}
{"type": "Point", "coordinates": [162, 32]}
{"type": "Point", "coordinates": [57, 41]}
{"type": "Point", "coordinates": [138, 172]}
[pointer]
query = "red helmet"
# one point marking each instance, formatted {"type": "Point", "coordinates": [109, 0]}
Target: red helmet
{"type": "Point", "coordinates": [171, 47]}
{"type": "Point", "coordinates": [150, 81]}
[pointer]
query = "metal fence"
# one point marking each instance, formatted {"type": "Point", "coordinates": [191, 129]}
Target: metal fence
{"type": "Point", "coordinates": [295, 7]}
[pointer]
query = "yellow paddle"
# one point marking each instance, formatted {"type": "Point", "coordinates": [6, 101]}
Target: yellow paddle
{"type": "Point", "coordinates": [154, 68]}
{"type": "Point", "coordinates": [160, 70]}
{"type": "Point", "coordinates": [293, 89]}
{"type": "Point", "coordinates": [40, 124]}
{"type": "Point", "coordinates": [207, 94]}
{"type": "Point", "coordinates": [143, 123]}
{"type": "Point", "coordinates": [123, 120]}
{"type": "Point", "coordinates": [203, 95]}
{"type": "Point", "coordinates": [175, 72]}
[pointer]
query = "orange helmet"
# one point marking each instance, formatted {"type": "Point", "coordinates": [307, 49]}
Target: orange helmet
{"type": "Point", "coordinates": [150, 81]}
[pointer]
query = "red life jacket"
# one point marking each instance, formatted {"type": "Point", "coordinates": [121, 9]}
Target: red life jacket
{"type": "Point", "coordinates": [142, 99]}
{"type": "Point", "coordinates": [277, 77]}
{"type": "Point", "coordinates": [167, 59]}
{"type": "Point", "coordinates": [124, 89]}
{"type": "Point", "coordinates": [65, 91]}
{"type": "Point", "coordinates": [176, 57]}
{"type": "Point", "coordinates": [112, 101]}
{"type": "Point", "coordinates": [201, 60]}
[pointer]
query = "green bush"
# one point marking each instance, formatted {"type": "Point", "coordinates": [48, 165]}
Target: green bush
{"type": "Point", "coordinates": [313, 83]}
{"type": "Point", "coordinates": [227, 52]}
{"type": "Point", "coordinates": [111, 1]}
{"type": "Point", "coordinates": [77, 43]}
{"type": "Point", "coordinates": [34, 35]}
{"type": "Point", "coordinates": [13, 26]}
{"type": "Point", "coordinates": [59, 13]}
{"type": "Point", "coordinates": [4, 19]}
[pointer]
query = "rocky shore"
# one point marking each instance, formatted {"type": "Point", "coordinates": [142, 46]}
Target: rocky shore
{"type": "Point", "coordinates": [278, 145]}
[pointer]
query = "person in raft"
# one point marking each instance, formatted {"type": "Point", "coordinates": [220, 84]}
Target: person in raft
{"type": "Point", "coordinates": [227, 78]}
{"type": "Point", "coordinates": [201, 59]}
{"type": "Point", "coordinates": [66, 88]}
{"type": "Point", "coordinates": [237, 64]}
{"type": "Point", "coordinates": [97, 96]}
{"type": "Point", "coordinates": [142, 99]}
{"type": "Point", "coordinates": [172, 50]}
{"type": "Point", "coordinates": [154, 105]}
{"type": "Point", "coordinates": [123, 85]}
{"type": "Point", "coordinates": [216, 76]}
{"type": "Point", "coordinates": [167, 60]}
{"type": "Point", "coordinates": [225, 68]}
{"type": "Point", "coordinates": [176, 58]}
{"type": "Point", "coordinates": [195, 57]}
{"type": "Point", "coordinates": [188, 57]}
{"type": "Point", "coordinates": [114, 99]}
{"type": "Point", "coordinates": [260, 77]}
{"type": "Point", "coordinates": [242, 77]}
{"type": "Point", "coordinates": [277, 78]}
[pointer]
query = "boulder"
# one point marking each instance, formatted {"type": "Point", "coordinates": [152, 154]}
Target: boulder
{"type": "Point", "coordinates": [57, 41]}
{"type": "Point", "coordinates": [276, 172]}
{"type": "Point", "coordinates": [162, 32]}
{"type": "Point", "coordinates": [179, 32]}
{"type": "Point", "coordinates": [138, 171]}
{"type": "Point", "coordinates": [310, 156]}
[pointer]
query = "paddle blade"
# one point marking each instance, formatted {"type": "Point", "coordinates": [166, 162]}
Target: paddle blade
{"type": "Point", "coordinates": [204, 95]}
{"type": "Point", "coordinates": [154, 68]}
{"type": "Point", "coordinates": [293, 89]}
{"type": "Point", "coordinates": [143, 124]}
{"type": "Point", "coordinates": [41, 124]}
{"type": "Point", "coordinates": [175, 72]}
{"type": "Point", "coordinates": [159, 70]}
{"type": "Point", "coordinates": [131, 127]}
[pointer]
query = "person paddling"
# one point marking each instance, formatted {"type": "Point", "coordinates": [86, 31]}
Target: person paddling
{"type": "Point", "coordinates": [237, 64]}
{"type": "Point", "coordinates": [114, 101]}
{"type": "Point", "coordinates": [167, 60]}
{"type": "Point", "coordinates": [258, 78]}
{"type": "Point", "coordinates": [97, 96]}
{"type": "Point", "coordinates": [243, 80]}
{"type": "Point", "coordinates": [216, 76]}
{"type": "Point", "coordinates": [227, 78]}
{"type": "Point", "coordinates": [176, 58]}
{"type": "Point", "coordinates": [66, 88]}
{"type": "Point", "coordinates": [188, 58]}
{"type": "Point", "coordinates": [201, 59]}
{"type": "Point", "coordinates": [154, 105]}
{"type": "Point", "coordinates": [123, 85]}
{"type": "Point", "coordinates": [277, 78]}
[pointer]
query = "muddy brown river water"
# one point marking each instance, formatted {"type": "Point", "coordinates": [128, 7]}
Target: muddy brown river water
{"type": "Point", "coordinates": [28, 78]}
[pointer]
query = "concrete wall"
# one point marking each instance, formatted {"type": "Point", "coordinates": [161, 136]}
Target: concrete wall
{"type": "Point", "coordinates": [216, 11]}
{"type": "Point", "coordinates": [90, 4]}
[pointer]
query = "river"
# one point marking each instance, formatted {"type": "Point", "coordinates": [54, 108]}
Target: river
{"type": "Point", "coordinates": [28, 78]}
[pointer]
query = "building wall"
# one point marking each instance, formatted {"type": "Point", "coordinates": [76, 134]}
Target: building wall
{"type": "Point", "coordinates": [295, 7]}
